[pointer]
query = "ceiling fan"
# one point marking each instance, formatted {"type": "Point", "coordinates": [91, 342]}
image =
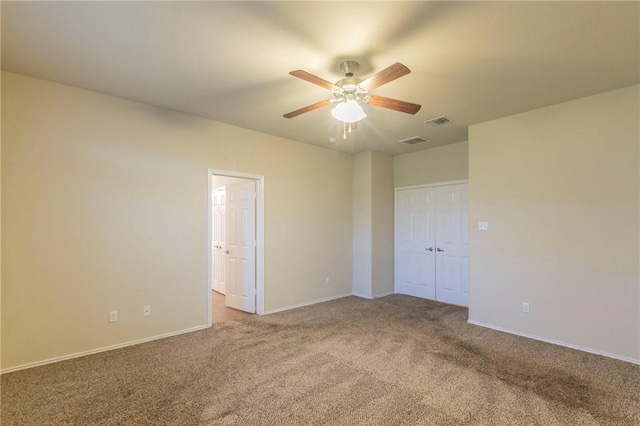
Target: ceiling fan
{"type": "Point", "coordinates": [350, 92]}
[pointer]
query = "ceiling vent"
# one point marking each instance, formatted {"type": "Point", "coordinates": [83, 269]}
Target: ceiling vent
{"type": "Point", "coordinates": [438, 121]}
{"type": "Point", "coordinates": [413, 141]}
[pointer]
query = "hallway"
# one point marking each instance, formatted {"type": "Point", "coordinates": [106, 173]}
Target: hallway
{"type": "Point", "coordinates": [220, 313]}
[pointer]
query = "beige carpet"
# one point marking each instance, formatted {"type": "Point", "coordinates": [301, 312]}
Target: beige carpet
{"type": "Point", "coordinates": [391, 361]}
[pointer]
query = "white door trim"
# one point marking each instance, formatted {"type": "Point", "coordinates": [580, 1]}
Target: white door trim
{"type": "Point", "coordinates": [259, 179]}
{"type": "Point", "coordinates": [430, 185]}
{"type": "Point", "coordinates": [218, 285]}
{"type": "Point", "coordinates": [395, 220]}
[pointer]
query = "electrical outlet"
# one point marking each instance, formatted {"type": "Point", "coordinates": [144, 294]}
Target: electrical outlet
{"type": "Point", "coordinates": [146, 310]}
{"type": "Point", "coordinates": [113, 316]}
{"type": "Point", "coordinates": [483, 226]}
{"type": "Point", "coordinates": [327, 280]}
{"type": "Point", "coordinates": [525, 308]}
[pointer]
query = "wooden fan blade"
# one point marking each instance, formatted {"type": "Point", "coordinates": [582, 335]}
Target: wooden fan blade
{"type": "Point", "coordinates": [388, 74]}
{"type": "Point", "coordinates": [307, 109]}
{"type": "Point", "coordinates": [394, 104]}
{"type": "Point", "coordinates": [313, 79]}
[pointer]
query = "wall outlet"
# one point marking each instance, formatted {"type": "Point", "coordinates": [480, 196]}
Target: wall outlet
{"type": "Point", "coordinates": [483, 226]}
{"type": "Point", "coordinates": [146, 310]}
{"type": "Point", "coordinates": [113, 316]}
{"type": "Point", "coordinates": [327, 280]}
{"type": "Point", "coordinates": [525, 308]}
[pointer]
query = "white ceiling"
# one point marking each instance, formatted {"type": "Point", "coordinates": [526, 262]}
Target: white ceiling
{"type": "Point", "coordinates": [229, 61]}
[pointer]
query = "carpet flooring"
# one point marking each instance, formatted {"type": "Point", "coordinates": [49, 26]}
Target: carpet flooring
{"type": "Point", "coordinates": [391, 361]}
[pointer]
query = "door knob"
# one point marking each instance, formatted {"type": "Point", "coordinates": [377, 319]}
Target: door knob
{"type": "Point", "coordinates": [429, 249]}
{"type": "Point", "coordinates": [439, 249]}
{"type": "Point", "coordinates": [226, 251]}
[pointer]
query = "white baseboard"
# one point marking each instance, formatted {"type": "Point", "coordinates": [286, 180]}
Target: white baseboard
{"type": "Point", "coordinates": [556, 342]}
{"type": "Point", "coordinates": [378, 296]}
{"type": "Point", "coordinates": [363, 296]}
{"type": "Point", "coordinates": [300, 305]}
{"type": "Point", "coordinates": [103, 349]}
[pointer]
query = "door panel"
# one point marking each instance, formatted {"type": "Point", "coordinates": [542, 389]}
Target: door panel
{"type": "Point", "coordinates": [445, 276]}
{"type": "Point", "coordinates": [416, 276]}
{"type": "Point", "coordinates": [464, 279]}
{"type": "Point", "coordinates": [241, 247]}
{"type": "Point", "coordinates": [464, 215]}
{"type": "Point", "coordinates": [452, 241]}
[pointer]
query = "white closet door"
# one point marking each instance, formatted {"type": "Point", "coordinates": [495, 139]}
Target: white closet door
{"type": "Point", "coordinates": [432, 243]}
{"type": "Point", "coordinates": [452, 245]}
{"type": "Point", "coordinates": [415, 243]}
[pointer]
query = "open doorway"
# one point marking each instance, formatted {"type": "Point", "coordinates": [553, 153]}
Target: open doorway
{"type": "Point", "coordinates": [235, 246]}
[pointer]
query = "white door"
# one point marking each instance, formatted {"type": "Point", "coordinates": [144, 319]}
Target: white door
{"type": "Point", "coordinates": [415, 243]}
{"type": "Point", "coordinates": [452, 245]}
{"type": "Point", "coordinates": [218, 201]}
{"type": "Point", "coordinates": [432, 243]}
{"type": "Point", "coordinates": [240, 251]}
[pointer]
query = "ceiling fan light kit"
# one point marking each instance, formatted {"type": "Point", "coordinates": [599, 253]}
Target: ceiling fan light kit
{"type": "Point", "coordinates": [349, 92]}
{"type": "Point", "coordinates": [348, 111]}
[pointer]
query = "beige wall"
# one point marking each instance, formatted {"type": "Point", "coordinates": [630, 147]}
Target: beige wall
{"type": "Point", "coordinates": [382, 224]}
{"type": "Point", "coordinates": [104, 207]}
{"type": "Point", "coordinates": [372, 224]}
{"type": "Point", "coordinates": [559, 187]}
{"type": "Point", "coordinates": [441, 164]}
{"type": "Point", "coordinates": [362, 224]}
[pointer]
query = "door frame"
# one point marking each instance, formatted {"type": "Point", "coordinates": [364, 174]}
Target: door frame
{"type": "Point", "coordinates": [259, 181]}
{"type": "Point", "coordinates": [395, 219]}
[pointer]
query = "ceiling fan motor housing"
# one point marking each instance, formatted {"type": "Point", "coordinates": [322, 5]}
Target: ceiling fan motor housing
{"type": "Point", "coordinates": [349, 67]}
{"type": "Point", "coordinates": [349, 84]}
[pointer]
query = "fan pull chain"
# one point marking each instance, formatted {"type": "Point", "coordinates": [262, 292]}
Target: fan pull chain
{"type": "Point", "coordinates": [348, 127]}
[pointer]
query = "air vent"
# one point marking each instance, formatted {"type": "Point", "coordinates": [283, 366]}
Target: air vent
{"type": "Point", "coordinates": [413, 141]}
{"type": "Point", "coordinates": [438, 121]}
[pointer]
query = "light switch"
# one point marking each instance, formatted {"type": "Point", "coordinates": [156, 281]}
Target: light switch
{"type": "Point", "coordinates": [483, 226]}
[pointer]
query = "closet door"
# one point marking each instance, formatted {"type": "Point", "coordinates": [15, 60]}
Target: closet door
{"type": "Point", "coordinates": [452, 244]}
{"type": "Point", "coordinates": [415, 243]}
{"type": "Point", "coordinates": [432, 243]}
